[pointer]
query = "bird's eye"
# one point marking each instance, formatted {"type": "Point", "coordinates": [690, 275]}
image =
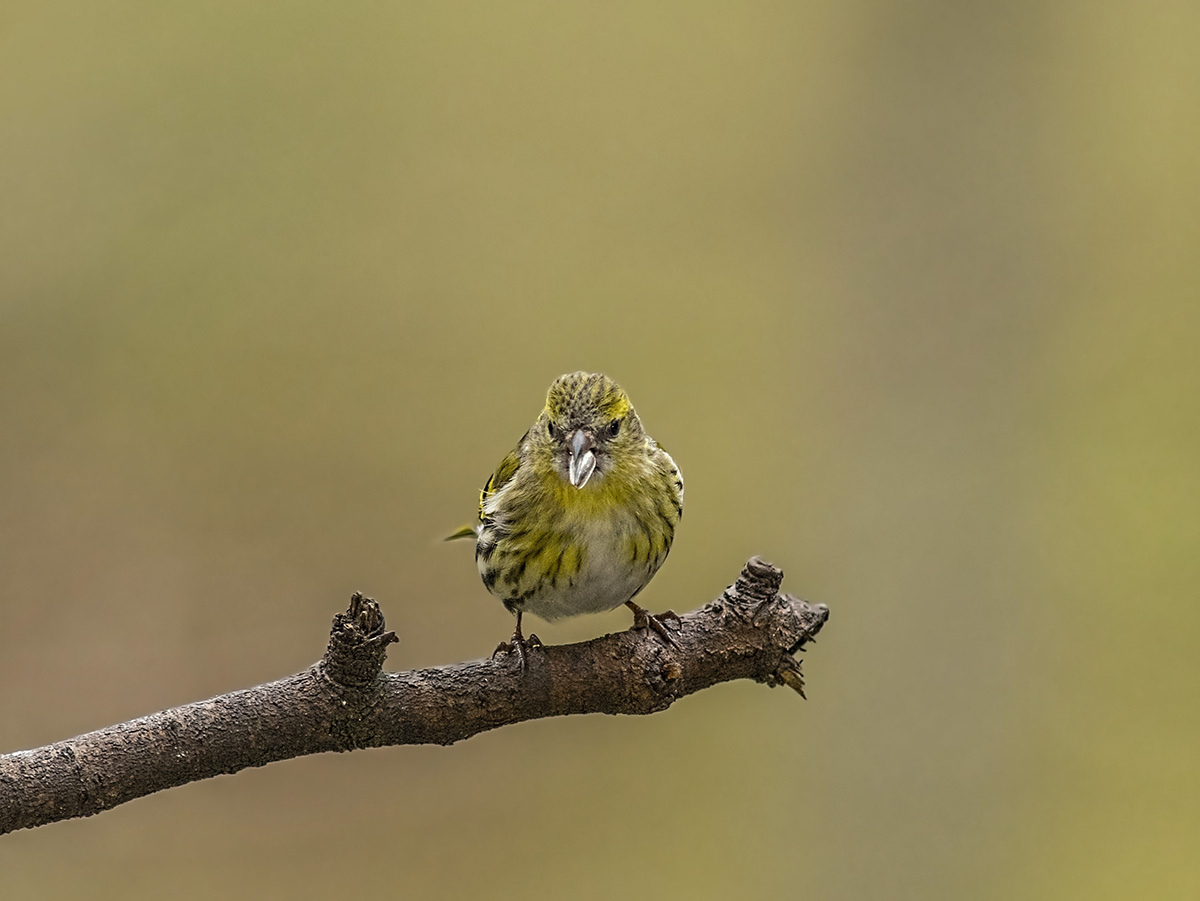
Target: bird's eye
{"type": "Point", "coordinates": [551, 429]}
{"type": "Point", "coordinates": [614, 428]}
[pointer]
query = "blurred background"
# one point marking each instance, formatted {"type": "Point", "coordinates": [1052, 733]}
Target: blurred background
{"type": "Point", "coordinates": [908, 290]}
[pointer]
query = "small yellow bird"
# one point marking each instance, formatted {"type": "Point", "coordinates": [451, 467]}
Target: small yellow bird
{"type": "Point", "coordinates": [581, 514]}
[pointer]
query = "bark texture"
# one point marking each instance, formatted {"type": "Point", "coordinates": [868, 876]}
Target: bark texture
{"type": "Point", "coordinates": [345, 701]}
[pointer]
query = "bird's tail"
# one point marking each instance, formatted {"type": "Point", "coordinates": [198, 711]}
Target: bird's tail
{"type": "Point", "coordinates": [464, 532]}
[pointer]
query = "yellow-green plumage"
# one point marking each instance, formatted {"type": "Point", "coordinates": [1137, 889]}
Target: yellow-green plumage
{"type": "Point", "coordinates": [581, 514]}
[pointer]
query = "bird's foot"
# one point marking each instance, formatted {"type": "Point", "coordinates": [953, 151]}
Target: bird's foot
{"type": "Point", "coordinates": [644, 619]}
{"type": "Point", "coordinates": [520, 645]}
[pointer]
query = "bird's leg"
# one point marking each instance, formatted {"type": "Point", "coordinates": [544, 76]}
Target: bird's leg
{"type": "Point", "coordinates": [519, 643]}
{"type": "Point", "coordinates": [643, 618]}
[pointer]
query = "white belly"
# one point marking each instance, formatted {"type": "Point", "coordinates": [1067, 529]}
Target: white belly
{"type": "Point", "coordinates": [607, 579]}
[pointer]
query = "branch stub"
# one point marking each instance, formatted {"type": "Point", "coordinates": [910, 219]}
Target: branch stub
{"type": "Point", "coordinates": [357, 645]}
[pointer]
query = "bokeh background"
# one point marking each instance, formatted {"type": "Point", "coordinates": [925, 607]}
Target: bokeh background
{"type": "Point", "coordinates": [908, 289]}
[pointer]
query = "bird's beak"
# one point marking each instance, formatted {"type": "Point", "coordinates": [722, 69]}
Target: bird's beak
{"type": "Point", "coordinates": [583, 460]}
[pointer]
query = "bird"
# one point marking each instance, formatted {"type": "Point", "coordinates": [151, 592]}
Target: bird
{"type": "Point", "coordinates": [581, 514]}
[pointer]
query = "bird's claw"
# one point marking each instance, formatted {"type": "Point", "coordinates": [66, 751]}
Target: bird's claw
{"type": "Point", "coordinates": [644, 619]}
{"type": "Point", "coordinates": [520, 645]}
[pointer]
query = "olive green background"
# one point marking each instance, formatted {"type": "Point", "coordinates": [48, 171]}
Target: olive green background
{"type": "Point", "coordinates": [909, 290]}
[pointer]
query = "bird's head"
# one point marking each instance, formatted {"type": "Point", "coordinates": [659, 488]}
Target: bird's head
{"type": "Point", "coordinates": [587, 427]}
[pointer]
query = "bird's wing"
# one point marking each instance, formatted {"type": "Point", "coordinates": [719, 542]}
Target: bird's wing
{"type": "Point", "coordinates": [501, 477]}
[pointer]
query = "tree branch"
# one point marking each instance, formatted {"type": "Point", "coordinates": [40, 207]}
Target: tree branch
{"type": "Point", "coordinates": [345, 701]}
